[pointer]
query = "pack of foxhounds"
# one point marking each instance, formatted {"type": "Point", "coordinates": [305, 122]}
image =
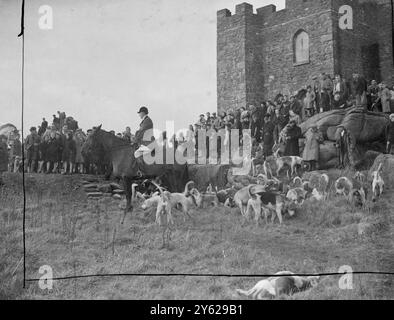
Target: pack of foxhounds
{"type": "Point", "coordinates": [270, 196]}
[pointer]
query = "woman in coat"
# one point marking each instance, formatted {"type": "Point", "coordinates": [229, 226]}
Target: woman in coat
{"type": "Point", "coordinates": [293, 134]}
{"type": "Point", "coordinates": [313, 138]}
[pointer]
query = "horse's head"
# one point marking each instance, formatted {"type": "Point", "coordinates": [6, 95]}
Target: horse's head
{"type": "Point", "coordinates": [95, 145]}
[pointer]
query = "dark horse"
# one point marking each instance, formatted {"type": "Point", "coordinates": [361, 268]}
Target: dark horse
{"type": "Point", "coordinates": [129, 169]}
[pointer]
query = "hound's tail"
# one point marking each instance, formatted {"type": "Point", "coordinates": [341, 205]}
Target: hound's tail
{"type": "Point", "coordinates": [187, 192]}
{"type": "Point", "coordinates": [252, 195]}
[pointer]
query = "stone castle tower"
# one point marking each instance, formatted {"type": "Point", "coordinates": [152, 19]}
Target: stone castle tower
{"type": "Point", "coordinates": [261, 54]}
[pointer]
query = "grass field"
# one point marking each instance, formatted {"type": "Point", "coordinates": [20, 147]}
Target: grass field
{"type": "Point", "coordinates": [77, 236]}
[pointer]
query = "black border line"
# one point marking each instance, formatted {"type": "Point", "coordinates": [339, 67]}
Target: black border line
{"type": "Point", "coordinates": [200, 275]}
{"type": "Point", "coordinates": [22, 34]}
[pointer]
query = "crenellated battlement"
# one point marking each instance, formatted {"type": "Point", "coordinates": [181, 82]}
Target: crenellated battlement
{"type": "Point", "coordinates": [261, 52]}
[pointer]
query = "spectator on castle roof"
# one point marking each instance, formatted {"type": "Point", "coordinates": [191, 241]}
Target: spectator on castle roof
{"type": "Point", "coordinates": [359, 90]}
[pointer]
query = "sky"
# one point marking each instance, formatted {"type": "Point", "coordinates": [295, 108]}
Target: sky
{"type": "Point", "coordinates": [103, 59]}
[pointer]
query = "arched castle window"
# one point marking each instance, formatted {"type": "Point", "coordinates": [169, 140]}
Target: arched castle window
{"type": "Point", "coordinates": [301, 47]}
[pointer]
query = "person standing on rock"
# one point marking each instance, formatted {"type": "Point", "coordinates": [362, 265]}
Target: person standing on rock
{"type": "Point", "coordinates": [390, 136]}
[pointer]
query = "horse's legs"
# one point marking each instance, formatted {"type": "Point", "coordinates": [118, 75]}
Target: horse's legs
{"type": "Point", "coordinates": [127, 185]}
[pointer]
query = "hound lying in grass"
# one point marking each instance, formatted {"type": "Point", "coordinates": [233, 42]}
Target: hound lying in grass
{"type": "Point", "coordinates": [285, 283]}
{"type": "Point", "coordinates": [377, 184]}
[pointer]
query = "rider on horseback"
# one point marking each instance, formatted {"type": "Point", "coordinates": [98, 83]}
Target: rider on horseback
{"type": "Point", "coordinates": [145, 125]}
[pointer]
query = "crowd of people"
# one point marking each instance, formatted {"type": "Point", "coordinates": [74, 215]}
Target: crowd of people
{"type": "Point", "coordinates": [277, 121]}
{"type": "Point", "coordinates": [52, 148]}
{"type": "Point", "coordinates": [57, 147]}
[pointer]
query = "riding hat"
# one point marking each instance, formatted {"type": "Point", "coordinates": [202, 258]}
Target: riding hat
{"type": "Point", "coordinates": [144, 110]}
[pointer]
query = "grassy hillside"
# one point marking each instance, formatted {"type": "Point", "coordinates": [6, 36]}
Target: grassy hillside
{"type": "Point", "coordinates": [75, 235]}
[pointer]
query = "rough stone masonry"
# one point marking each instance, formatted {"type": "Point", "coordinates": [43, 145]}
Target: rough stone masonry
{"type": "Point", "coordinates": [257, 52]}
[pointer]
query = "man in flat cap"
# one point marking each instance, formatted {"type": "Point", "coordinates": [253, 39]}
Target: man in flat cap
{"type": "Point", "coordinates": [145, 125]}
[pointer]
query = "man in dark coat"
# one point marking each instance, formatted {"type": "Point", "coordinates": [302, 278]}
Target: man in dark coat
{"type": "Point", "coordinates": [267, 134]}
{"type": "Point", "coordinates": [145, 125]}
{"type": "Point", "coordinates": [255, 122]}
{"type": "Point", "coordinates": [32, 148]}
{"type": "Point", "coordinates": [293, 133]}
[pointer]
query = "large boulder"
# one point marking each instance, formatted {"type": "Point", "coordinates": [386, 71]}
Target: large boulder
{"type": "Point", "coordinates": [387, 162]}
{"type": "Point", "coordinates": [324, 121]}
